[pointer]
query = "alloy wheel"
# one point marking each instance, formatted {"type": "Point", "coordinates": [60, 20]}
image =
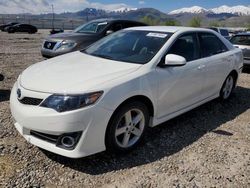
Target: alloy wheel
{"type": "Point", "coordinates": [228, 87]}
{"type": "Point", "coordinates": [130, 128]}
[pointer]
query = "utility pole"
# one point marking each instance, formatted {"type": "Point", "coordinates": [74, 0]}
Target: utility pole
{"type": "Point", "coordinates": [53, 16]}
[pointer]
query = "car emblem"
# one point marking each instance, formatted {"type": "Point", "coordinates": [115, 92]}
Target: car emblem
{"type": "Point", "coordinates": [19, 93]}
{"type": "Point", "coordinates": [49, 45]}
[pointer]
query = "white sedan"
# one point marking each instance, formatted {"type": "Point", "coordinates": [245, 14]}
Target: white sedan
{"type": "Point", "coordinates": [106, 96]}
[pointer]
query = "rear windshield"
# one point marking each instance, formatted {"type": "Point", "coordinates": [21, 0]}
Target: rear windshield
{"type": "Point", "coordinates": [224, 32]}
{"type": "Point", "coordinates": [92, 27]}
{"type": "Point", "coordinates": [241, 40]}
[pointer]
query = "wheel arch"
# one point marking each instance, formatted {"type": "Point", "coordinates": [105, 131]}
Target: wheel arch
{"type": "Point", "coordinates": [141, 98]}
{"type": "Point", "coordinates": [235, 74]}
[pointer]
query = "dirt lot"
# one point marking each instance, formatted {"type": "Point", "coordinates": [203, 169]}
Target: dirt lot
{"type": "Point", "coordinates": [207, 147]}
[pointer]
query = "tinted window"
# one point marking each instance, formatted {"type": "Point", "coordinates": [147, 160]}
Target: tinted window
{"type": "Point", "coordinates": [129, 46]}
{"type": "Point", "coordinates": [211, 44]}
{"type": "Point", "coordinates": [131, 24]}
{"type": "Point", "coordinates": [241, 40]}
{"type": "Point", "coordinates": [116, 27]}
{"type": "Point", "coordinates": [92, 27]}
{"type": "Point", "coordinates": [224, 32]}
{"type": "Point", "coordinates": [215, 29]}
{"type": "Point", "coordinates": [186, 46]}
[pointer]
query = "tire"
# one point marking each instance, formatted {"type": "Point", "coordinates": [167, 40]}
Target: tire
{"type": "Point", "coordinates": [227, 87]}
{"type": "Point", "coordinates": [124, 135]}
{"type": "Point", "coordinates": [11, 31]}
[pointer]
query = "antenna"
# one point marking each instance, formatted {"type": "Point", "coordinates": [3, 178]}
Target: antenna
{"type": "Point", "coordinates": [53, 16]}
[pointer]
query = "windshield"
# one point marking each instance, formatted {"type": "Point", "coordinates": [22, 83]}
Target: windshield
{"type": "Point", "coordinates": [129, 46]}
{"type": "Point", "coordinates": [241, 40]}
{"type": "Point", "coordinates": [93, 27]}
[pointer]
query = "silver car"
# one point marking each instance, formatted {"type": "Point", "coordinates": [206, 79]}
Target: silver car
{"type": "Point", "coordinates": [242, 41]}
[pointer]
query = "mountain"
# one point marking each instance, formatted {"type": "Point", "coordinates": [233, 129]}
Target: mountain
{"type": "Point", "coordinates": [123, 9]}
{"type": "Point", "coordinates": [191, 10]}
{"type": "Point", "coordinates": [239, 10]}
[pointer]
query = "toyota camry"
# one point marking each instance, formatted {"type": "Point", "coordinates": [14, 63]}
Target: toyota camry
{"type": "Point", "coordinates": [106, 96]}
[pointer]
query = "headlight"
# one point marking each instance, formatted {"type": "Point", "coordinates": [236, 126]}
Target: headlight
{"type": "Point", "coordinates": [63, 103]}
{"type": "Point", "coordinates": [66, 44]}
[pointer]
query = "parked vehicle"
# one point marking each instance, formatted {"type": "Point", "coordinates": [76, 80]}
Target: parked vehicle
{"type": "Point", "coordinates": [242, 41]}
{"type": "Point", "coordinates": [106, 96]}
{"type": "Point", "coordinates": [2, 27]}
{"type": "Point", "coordinates": [224, 32]}
{"type": "Point", "coordinates": [83, 36]}
{"type": "Point", "coordinates": [55, 31]}
{"type": "Point", "coordinates": [22, 28]}
{"type": "Point", "coordinates": [1, 77]}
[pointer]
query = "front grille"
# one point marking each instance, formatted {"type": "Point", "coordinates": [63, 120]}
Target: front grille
{"type": "Point", "coordinates": [46, 137]}
{"type": "Point", "coordinates": [31, 101]}
{"type": "Point", "coordinates": [49, 45]}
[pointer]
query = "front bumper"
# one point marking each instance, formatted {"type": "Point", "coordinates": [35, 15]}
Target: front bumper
{"type": "Point", "coordinates": [91, 121]}
{"type": "Point", "coordinates": [52, 53]}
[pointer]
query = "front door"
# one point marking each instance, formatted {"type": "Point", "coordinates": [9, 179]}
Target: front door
{"type": "Point", "coordinates": [180, 87]}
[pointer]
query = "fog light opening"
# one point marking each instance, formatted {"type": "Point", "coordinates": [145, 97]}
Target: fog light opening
{"type": "Point", "coordinates": [68, 141]}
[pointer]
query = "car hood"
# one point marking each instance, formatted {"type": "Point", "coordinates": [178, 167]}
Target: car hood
{"type": "Point", "coordinates": [73, 73]}
{"type": "Point", "coordinates": [70, 36]}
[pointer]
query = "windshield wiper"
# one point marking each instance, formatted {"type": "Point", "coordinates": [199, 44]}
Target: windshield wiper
{"type": "Point", "coordinates": [103, 56]}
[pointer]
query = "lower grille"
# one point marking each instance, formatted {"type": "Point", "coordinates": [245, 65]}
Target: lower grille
{"type": "Point", "coordinates": [49, 45]}
{"type": "Point", "coordinates": [31, 101]}
{"type": "Point", "coordinates": [46, 137]}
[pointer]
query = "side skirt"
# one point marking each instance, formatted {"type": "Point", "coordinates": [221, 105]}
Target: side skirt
{"type": "Point", "coordinates": [158, 121]}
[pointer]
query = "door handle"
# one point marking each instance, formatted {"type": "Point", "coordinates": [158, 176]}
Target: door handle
{"type": "Point", "coordinates": [201, 67]}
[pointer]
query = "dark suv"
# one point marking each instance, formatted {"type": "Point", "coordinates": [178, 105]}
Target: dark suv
{"type": "Point", "coordinates": [83, 36]}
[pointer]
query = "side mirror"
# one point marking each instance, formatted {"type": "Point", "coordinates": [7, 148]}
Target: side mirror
{"type": "Point", "coordinates": [174, 60]}
{"type": "Point", "coordinates": [1, 77]}
{"type": "Point", "coordinates": [109, 32]}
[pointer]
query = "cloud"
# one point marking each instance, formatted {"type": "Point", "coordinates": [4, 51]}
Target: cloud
{"type": "Point", "coordinates": [44, 6]}
{"type": "Point", "coordinates": [141, 2]}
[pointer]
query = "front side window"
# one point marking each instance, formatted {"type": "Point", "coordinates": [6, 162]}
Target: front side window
{"type": "Point", "coordinates": [186, 46]}
{"type": "Point", "coordinates": [92, 27]}
{"type": "Point", "coordinates": [129, 46]}
{"type": "Point", "coordinates": [211, 44]}
{"type": "Point", "coordinates": [241, 40]}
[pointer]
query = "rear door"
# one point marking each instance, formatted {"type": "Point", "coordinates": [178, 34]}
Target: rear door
{"type": "Point", "coordinates": [218, 62]}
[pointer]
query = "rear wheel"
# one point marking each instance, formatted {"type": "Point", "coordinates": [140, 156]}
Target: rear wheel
{"type": "Point", "coordinates": [127, 127]}
{"type": "Point", "coordinates": [227, 87]}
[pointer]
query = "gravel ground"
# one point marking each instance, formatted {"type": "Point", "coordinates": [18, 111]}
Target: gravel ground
{"type": "Point", "coordinates": [207, 147]}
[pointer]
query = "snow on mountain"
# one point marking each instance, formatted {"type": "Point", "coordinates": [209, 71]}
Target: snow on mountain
{"type": "Point", "coordinates": [237, 10]}
{"type": "Point", "coordinates": [123, 9]}
{"type": "Point", "coordinates": [193, 10]}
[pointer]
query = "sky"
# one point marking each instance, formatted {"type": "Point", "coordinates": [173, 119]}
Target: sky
{"type": "Point", "coordinates": [44, 6]}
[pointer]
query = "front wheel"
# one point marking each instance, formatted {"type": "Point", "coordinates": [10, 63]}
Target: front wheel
{"type": "Point", "coordinates": [227, 87]}
{"type": "Point", "coordinates": [127, 127]}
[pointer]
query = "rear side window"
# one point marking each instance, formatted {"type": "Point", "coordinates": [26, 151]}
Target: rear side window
{"type": "Point", "coordinates": [186, 46]}
{"type": "Point", "coordinates": [131, 24]}
{"type": "Point", "coordinates": [215, 29]}
{"type": "Point", "coordinates": [116, 27]}
{"type": "Point", "coordinates": [211, 45]}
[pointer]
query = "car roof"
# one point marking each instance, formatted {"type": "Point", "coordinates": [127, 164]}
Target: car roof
{"type": "Point", "coordinates": [168, 29]}
{"type": "Point", "coordinates": [114, 20]}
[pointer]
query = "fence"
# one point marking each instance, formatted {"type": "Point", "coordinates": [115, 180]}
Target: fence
{"type": "Point", "coordinates": [63, 23]}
